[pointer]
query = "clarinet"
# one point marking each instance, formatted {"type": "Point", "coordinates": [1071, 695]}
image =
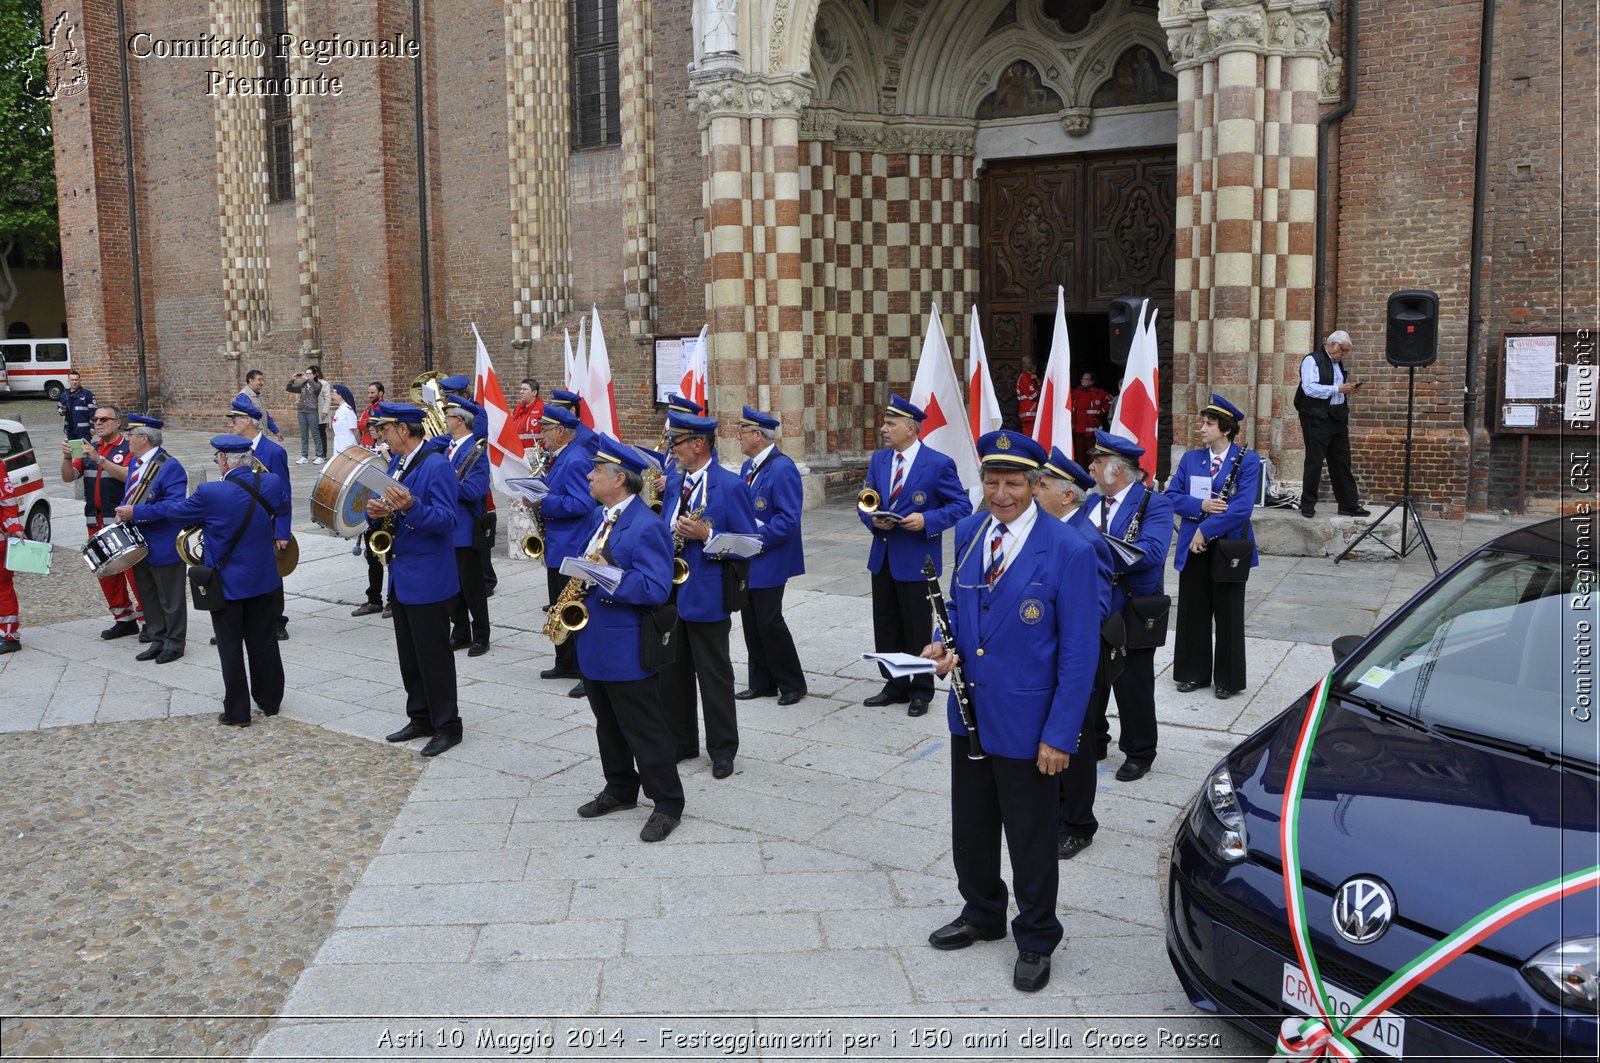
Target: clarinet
{"type": "Point", "coordinates": [958, 680]}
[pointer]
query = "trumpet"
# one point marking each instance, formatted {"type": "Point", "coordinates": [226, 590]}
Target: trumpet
{"type": "Point", "coordinates": [680, 567]}
{"type": "Point", "coordinates": [191, 545]}
{"type": "Point", "coordinates": [869, 501]}
{"type": "Point", "coordinates": [568, 613]}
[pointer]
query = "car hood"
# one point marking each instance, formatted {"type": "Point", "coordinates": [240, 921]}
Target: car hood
{"type": "Point", "coordinates": [1453, 828]}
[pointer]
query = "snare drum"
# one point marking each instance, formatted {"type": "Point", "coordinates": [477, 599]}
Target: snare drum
{"type": "Point", "coordinates": [113, 549]}
{"type": "Point", "coordinates": [338, 502]}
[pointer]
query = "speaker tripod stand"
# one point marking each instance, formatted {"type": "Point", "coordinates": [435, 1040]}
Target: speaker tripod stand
{"type": "Point", "coordinates": [1407, 508]}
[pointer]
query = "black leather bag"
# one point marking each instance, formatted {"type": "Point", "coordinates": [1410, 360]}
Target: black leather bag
{"type": "Point", "coordinates": [1146, 620]}
{"type": "Point", "coordinates": [657, 648]}
{"type": "Point", "coordinates": [735, 585]}
{"type": "Point", "coordinates": [205, 588]}
{"type": "Point", "coordinates": [1230, 560]}
{"type": "Point", "coordinates": [484, 526]}
{"type": "Point", "coordinates": [1113, 651]}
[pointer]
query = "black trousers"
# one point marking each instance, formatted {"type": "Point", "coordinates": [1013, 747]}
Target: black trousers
{"type": "Point", "coordinates": [567, 652]}
{"type": "Point", "coordinates": [279, 610]}
{"type": "Point", "coordinates": [1202, 604]}
{"type": "Point", "coordinates": [1136, 707]}
{"type": "Point", "coordinates": [374, 574]}
{"type": "Point", "coordinates": [427, 667]}
{"type": "Point", "coordinates": [166, 602]}
{"type": "Point", "coordinates": [635, 742]}
{"type": "Point", "coordinates": [245, 627]}
{"type": "Point", "coordinates": [902, 622]}
{"type": "Point", "coordinates": [1002, 794]}
{"type": "Point", "coordinates": [774, 662]}
{"type": "Point", "coordinates": [1082, 775]}
{"type": "Point", "coordinates": [1328, 438]}
{"type": "Point", "coordinates": [484, 541]}
{"type": "Point", "coordinates": [469, 616]}
{"type": "Point", "coordinates": [703, 657]}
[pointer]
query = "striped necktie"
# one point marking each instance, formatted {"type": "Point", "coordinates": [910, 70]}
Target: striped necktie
{"type": "Point", "coordinates": [1105, 511]}
{"type": "Point", "coordinates": [605, 530]}
{"type": "Point", "coordinates": [899, 478]}
{"type": "Point", "coordinates": [1216, 463]}
{"type": "Point", "coordinates": [997, 557]}
{"type": "Point", "coordinates": [135, 470]}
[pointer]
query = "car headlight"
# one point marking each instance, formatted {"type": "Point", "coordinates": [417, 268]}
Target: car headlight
{"type": "Point", "coordinates": [1217, 819]}
{"type": "Point", "coordinates": [1568, 972]}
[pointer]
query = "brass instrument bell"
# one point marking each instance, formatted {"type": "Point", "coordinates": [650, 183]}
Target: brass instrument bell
{"type": "Point", "coordinates": [869, 501]}
{"type": "Point", "coordinates": [380, 541]}
{"type": "Point", "coordinates": [532, 546]}
{"type": "Point", "coordinates": [680, 570]}
{"type": "Point", "coordinates": [191, 545]}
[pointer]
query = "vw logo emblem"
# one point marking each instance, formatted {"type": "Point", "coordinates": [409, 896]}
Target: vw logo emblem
{"type": "Point", "coordinates": [1363, 908]}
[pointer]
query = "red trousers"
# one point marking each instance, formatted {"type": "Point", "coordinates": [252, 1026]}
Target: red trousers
{"type": "Point", "coordinates": [121, 594]}
{"type": "Point", "coordinates": [8, 599]}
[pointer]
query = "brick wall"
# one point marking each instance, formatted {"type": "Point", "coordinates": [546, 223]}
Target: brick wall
{"type": "Point", "coordinates": [680, 174]}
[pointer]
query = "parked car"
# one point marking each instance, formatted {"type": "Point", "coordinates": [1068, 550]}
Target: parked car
{"type": "Point", "coordinates": [22, 465]}
{"type": "Point", "coordinates": [1452, 766]}
{"type": "Point", "coordinates": [36, 366]}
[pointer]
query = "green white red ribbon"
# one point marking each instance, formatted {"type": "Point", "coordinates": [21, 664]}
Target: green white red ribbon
{"type": "Point", "coordinates": [1328, 1036]}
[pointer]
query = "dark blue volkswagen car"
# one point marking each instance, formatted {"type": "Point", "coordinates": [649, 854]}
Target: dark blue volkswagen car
{"type": "Point", "coordinates": [1453, 769]}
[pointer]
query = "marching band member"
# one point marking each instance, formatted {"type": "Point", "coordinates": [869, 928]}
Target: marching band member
{"type": "Point", "coordinates": [920, 485]}
{"type": "Point", "coordinates": [469, 617]}
{"type": "Point", "coordinates": [1213, 491]}
{"type": "Point", "coordinates": [678, 404]}
{"type": "Point", "coordinates": [157, 481]}
{"type": "Point", "coordinates": [246, 420]}
{"type": "Point", "coordinates": [11, 525]}
{"type": "Point", "coordinates": [238, 535]}
{"type": "Point", "coordinates": [566, 511]}
{"type": "Point", "coordinates": [630, 725]}
{"type": "Point", "coordinates": [1025, 603]}
{"type": "Point", "coordinates": [421, 514]}
{"type": "Point", "coordinates": [778, 498]}
{"type": "Point", "coordinates": [587, 438]}
{"type": "Point", "coordinates": [103, 469]}
{"type": "Point", "coordinates": [699, 497]}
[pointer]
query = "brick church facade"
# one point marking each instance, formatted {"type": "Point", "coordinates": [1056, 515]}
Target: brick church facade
{"type": "Point", "coordinates": [809, 177]}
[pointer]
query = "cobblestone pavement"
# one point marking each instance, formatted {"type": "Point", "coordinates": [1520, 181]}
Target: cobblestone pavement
{"type": "Point", "coordinates": [162, 868]}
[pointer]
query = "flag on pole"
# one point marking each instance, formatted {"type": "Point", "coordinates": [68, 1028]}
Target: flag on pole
{"type": "Point", "coordinates": [693, 385]}
{"type": "Point", "coordinates": [579, 385]}
{"type": "Point", "coordinates": [505, 443]}
{"type": "Point", "coordinates": [983, 406]}
{"type": "Point", "coordinates": [568, 360]}
{"type": "Point", "coordinates": [1138, 404]}
{"type": "Point", "coordinates": [598, 397]}
{"type": "Point", "coordinates": [1054, 426]}
{"type": "Point", "coordinates": [937, 390]}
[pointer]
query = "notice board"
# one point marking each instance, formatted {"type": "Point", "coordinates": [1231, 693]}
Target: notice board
{"type": "Point", "coordinates": [1546, 383]}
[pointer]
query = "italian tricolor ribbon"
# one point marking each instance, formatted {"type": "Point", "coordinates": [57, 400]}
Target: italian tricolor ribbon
{"type": "Point", "coordinates": [1325, 1035]}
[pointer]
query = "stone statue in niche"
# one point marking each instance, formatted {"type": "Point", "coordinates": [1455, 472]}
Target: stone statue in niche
{"type": "Point", "coordinates": [1019, 92]}
{"type": "Point", "coordinates": [1136, 78]}
{"type": "Point", "coordinates": [716, 26]}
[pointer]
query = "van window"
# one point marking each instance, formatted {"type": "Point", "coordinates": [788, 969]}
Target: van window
{"type": "Point", "coordinates": [17, 352]}
{"type": "Point", "coordinates": [52, 352]}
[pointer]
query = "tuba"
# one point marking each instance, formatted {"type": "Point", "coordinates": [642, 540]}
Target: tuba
{"type": "Point", "coordinates": [680, 567]}
{"type": "Point", "coordinates": [191, 545]}
{"type": "Point", "coordinates": [568, 613]}
{"type": "Point", "coordinates": [432, 412]}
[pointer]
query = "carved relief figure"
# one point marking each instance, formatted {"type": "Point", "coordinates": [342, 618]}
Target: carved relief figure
{"type": "Point", "coordinates": [1136, 78]}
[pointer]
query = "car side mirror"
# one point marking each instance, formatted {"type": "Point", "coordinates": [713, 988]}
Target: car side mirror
{"type": "Point", "coordinates": [1345, 645]}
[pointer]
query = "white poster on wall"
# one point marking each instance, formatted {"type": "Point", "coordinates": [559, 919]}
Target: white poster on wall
{"type": "Point", "coordinates": [1530, 367]}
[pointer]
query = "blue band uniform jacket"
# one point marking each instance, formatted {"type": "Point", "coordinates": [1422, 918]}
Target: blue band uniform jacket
{"type": "Point", "coordinates": [470, 488]}
{"type": "Point", "coordinates": [568, 510]}
{"type": "Point", "coordinates": [933, 488]}
{"type": "Point", "coordinates": [640, 545]}
{"type": "Point", "coordinates": [276, 459]}
{"type": "Point", "coordinates": [168, 484]}
{"type": "Point", "coordinates": [251, 569]}
{"type": "Point", "coordinates": [1234, 523]}
{"type": "Point", "coordinates": [728, 509]}
{"type": "Point", "coordinates": [422, 566]}
{"type": "Point", "coordinates": [778, 499]}
{"type": "Point", "coordinates": [1155, 539]}
{"type": "Point", "coordinates": [1030, 645]}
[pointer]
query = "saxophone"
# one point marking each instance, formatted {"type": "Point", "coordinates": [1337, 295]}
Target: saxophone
{"type": "Point", "coordinates": [568, 613]}
{"type": "Point", "coordinates": [680, 567]}
{"type": "Point", "coordinates": [532, 545]}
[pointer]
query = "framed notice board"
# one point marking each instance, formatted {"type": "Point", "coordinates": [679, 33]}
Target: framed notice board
{"type": "Point", "coordinates": [1546, 383]}
{"type": "Point", "coordinates": [672, 357]}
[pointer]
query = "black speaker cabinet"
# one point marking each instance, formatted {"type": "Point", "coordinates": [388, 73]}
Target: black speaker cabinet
{"type": "Point", "coordinates": [1412, 339]}
{"type": "Point", "coordinates": [1124, 323]}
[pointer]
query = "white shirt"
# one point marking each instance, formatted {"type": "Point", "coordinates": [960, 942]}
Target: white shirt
{"type": "Point", "coordinates": [909, 457]}
{"type": "Point", "coordinates": [1111, 513]}
{"type": "Point", "coordinates": [1311, 382]}
{"type": "Point", "coordinates": [697, 490]}
{"type": "Point", "coordinates": [1016, 537]}
{"type": "Point", "coordinates": [137, 474]}
{"type": "Point", "coordinates": [612, 514]}
{"type": "Point", "coordinates": [756, 462]}
{"type": "Point", "coordinates": [455, 445]}
{"type": "Point", "coordinates": [344, 429]}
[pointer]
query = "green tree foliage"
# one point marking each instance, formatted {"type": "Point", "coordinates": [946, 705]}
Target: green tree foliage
{"type": "Point", "coordinates": [27, 152]}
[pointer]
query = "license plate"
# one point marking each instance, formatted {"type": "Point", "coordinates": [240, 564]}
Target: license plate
{"type": "Point", "coordinates": [1384, 1032]}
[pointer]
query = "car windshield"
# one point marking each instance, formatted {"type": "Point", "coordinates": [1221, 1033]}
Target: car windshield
{"type": "Point", "coordinates": [1500, 650]}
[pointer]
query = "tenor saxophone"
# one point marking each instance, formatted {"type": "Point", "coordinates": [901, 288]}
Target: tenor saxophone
{"type": "Point", "coordinates": [568, 613]}
{"type": "Point", "coordinates": [532, 545]}
{"type": "Point", "coordinates": [680, 567]}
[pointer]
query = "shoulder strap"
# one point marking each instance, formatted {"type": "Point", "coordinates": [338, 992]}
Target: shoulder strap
{"type": "Point", "coordinates": [234, 542]}
{"type": "Point", "coordinates": [1132, 534]}
{"type": "Point", "coordinates": [425, 452]}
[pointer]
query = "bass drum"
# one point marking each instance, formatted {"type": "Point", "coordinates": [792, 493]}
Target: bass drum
{"type": "Point", "coordinates": [114, 549]}
{"type": "Point", "coordinates": [338, 501]}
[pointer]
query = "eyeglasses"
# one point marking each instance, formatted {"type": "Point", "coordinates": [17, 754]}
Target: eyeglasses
{"type": "Point", "coordinates": [105, 418]}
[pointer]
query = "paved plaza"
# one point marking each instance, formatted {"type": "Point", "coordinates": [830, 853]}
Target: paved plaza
{"type": "Point", "coordinates": [464, 894]}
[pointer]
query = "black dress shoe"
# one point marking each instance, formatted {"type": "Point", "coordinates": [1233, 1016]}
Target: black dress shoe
{"type": "Point", "coordinates": [748, 694]}
{"type": "Point", "coordinates": [269, 712]}
{"type": "Point", "coordinates": [440, 742]}
{"type": "Point", "coordinates": [1070, 845]}
{"type": "Point", "coordinates": [283, 634]}
{"type": "Point", "coordinates": [1132, 769]}
{"type": "Point", "coordinates": [1223, 693]}
{"type": "Point", "coordinates": [213, 640]}
{"type": "Point", "coordinates": [791, 698]}
{"type": "Point", "coordinates": [918, 707]}
{"type": "Point", "coordinates": [150, 654]}
{"type": "Point", "coordinates": [556, 673]}
{"type": "Point", "coordinates": [144, 633]}
{"type": "Point", "coordinates": [1359, 511]}
{"type": "Point", "coordinates": [410, 731]}
{"type": "Point", "coordinates": [1304, 512]}
{"type": "Point", "coordinates": [959, 933]}
{"type": "Point", "coordinates": [222, 718]}
{"type": "Point", "coordinates": [366, 609]}
{"type": "Point", "coordinates": [9, 645]}
{"type": "Point", "coordinates": [388, 612]}
{"type": "Point", "coordinates": [657, 827]}
{"type": "Point", "coordinates": [604, 804]}
{"type": "Point", "coordinates": [477, 649]}
{"type": "Point", "coordinates": [120, 630]}
{"type": "Point", "coordinates": [578, 690]}
{"type": "Point", "coordinates": [459, 644]}
{"type": "Point", "coordinates": [721, 769]}
{"type": "Point", "coordinates": [1186, 686]}
{"type": "Point", "coordinates": [1032, 972]}
{"type": "Point", "coordinates": [883, 698]}
{"type": "Point", "coordinates": [168, 656]}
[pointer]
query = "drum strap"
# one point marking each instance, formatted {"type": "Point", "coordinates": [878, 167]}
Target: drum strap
{"type": "Point", "coordinates": [244, 524]}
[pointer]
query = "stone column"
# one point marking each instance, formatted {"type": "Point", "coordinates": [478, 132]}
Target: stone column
{"type": "Point", "coordinates": [1249, 73]}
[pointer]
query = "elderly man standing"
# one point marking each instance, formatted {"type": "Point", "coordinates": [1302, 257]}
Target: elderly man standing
{"type": "Point", "coordinates": [469, 616]}
{"type": "Point", "coordinates": [1025, 601]}
{"type": "Point", "coordinates": [236, 514]}
{"type": "Point", "coordinates": [566, 510]}
{"type": "Point", "coordinates": [104, 469]}
{"type": "Point", "coordinates": [246, 420]}
{"type": "Point", "coordinates": [157, 483]}
{"type": "Point", "coordinates": [1322, 402]}
{"type": "Point", "coordinates": [778, 499]}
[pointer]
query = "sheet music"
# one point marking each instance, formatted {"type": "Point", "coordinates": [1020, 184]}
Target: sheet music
{"type": "Point", "coordinates": [733, 544]}
{"type": "Point", "coordinates": [1200, 487]}
{"type": "Point", "coordinates": [607, 577]}
{"type": "Point", "coordinates": [1127, 552]}
{"type": "Point", "coordinates": [901, 664]}
{"type": "Point", "coordinates": [532, 488]}
{"type": "Point", "coordinates": [374, 479]}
